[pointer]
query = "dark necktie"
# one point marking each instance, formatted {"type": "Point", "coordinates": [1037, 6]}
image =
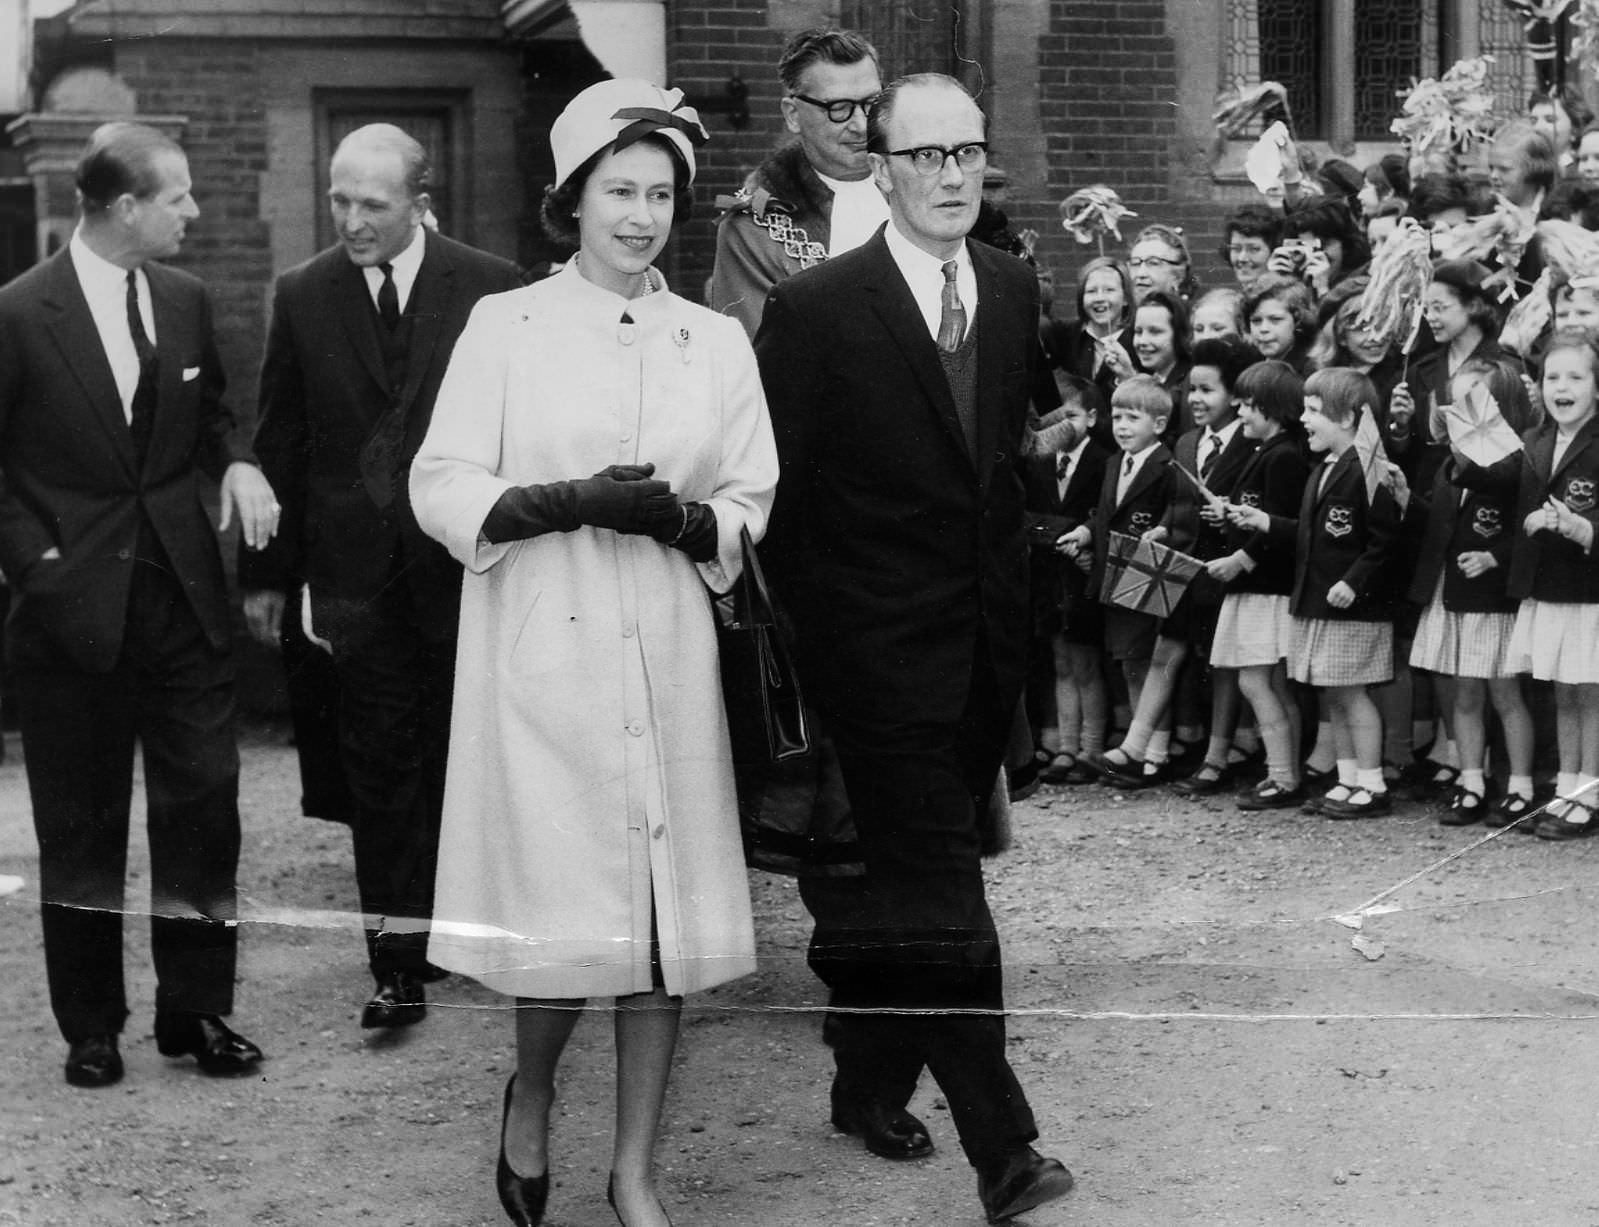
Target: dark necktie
{"type": "Point", "coordinates": [1127, 468]}
{"type": "Point", "coordinates": [142, 418]}
{"type": "Point", "coordinates": [952, 318]}
{"type": "Point", "coordinates": [1212, 450]}
{"type": "Point", "coordinates": [388, 299]}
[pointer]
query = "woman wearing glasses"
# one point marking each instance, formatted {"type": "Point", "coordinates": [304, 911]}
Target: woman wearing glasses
{"type": "Point", "coordinates": [1159, 261]}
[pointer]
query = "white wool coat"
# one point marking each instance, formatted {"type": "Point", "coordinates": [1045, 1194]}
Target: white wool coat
{"type": "Point", "coordinates": [589, 770]}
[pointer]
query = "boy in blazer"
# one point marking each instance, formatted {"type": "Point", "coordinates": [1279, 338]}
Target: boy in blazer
{"type": "Point", "coordinates": [1132, 499]}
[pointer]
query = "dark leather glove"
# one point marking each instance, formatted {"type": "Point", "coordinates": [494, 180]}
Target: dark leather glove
{"type": "Point", "coordinates": [694, 532]}
{"type": "Point", "coordinates": [623, 497]}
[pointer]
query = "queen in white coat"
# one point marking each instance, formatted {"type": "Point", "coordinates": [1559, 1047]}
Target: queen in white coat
{"type": "Point", "coordinates": [590, 844]}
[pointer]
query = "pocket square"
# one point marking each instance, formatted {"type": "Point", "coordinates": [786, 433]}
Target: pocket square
{"type": "Point", "coordinates": [190, 372]}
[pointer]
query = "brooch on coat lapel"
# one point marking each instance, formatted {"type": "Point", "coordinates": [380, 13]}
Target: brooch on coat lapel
{"type": "Point", "coordinates": [681, 338]}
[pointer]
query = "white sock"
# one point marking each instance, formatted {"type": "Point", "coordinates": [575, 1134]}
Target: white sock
{"type": "Point", "coordinates": [1520, 786]}
{"type": "Point", "coordinates": [1370, 778]}
{"type": "Point", "coordinates": [1585, 791]}
{"type": "Point", "coordinates": [1474, 781]}
{"type": "Point", "coordinates": [1565, 783]}
{"type": "Point", "coordinates": [1349, 773]}
{"type": "Point", "coordinates": [1159, 747]}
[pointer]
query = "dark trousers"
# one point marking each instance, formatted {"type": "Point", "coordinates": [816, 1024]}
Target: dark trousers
{"type": "Point", "coordinates": [173, 693]}
{"type": "Point", "coordinates": [395, 685]}
{"type": "Point", "coordinates": [914, 960]}
{"type": "Point", "coordinates": [313, 691]}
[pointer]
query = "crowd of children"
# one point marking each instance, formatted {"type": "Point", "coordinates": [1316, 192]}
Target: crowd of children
{"type": "Point", "coordinates": [1382, 607]}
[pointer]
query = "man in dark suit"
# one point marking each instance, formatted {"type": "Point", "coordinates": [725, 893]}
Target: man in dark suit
{"type": "Point", "coordinates": [898, 376]}
{"type": "Point", "coordinates": [110, 410]}
{"type": "Point", "coordinates": [360, 338]}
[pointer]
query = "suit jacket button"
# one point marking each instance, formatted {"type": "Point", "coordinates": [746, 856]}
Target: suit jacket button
{"type": "Point", "coordinates": [124, 555]}
{"type": "Point", "coordinates": [999, 457]}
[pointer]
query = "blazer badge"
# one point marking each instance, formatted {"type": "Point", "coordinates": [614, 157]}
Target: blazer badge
{"type": "Point", "coordinates": [1486, 522]}
{"type": "Point", "coordinates": [1338, 522]}
{"type": "Point", "coordinates": [1579, 494]}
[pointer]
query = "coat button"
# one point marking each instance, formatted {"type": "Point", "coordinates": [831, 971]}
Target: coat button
{"type": "Point", "coordinates": [635, 728]}
{"type": "Point", "coordinates": [999, 457]}
{"type": "Point", "coordinates": [124, 555]}
{"type": "Point", "coordinates": [659, 831]}
{"type": "Point", "coordinates": [627, 632]}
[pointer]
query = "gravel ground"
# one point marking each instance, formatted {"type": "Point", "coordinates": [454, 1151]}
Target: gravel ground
{"type": "Point", "coordinates": [1203, 1039]}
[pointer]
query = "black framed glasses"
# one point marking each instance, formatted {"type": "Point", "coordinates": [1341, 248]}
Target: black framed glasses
{"type": "Point", "coordinates": [930, 159]}
{"type": "Point", "coordinates": [839, 110]}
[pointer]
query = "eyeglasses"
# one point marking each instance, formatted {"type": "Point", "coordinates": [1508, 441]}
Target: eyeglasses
{"type": "Point", "coordinates": [1153, 262]}
{"type": "Point", "coordinates": [839, 110]}
{"type": "Point", "coordinates": [930, 159]}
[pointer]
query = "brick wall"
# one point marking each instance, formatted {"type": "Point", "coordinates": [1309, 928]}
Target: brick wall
{"type": "Point", "coordinates": [708, 41]}
{"type": "Point", "coordinates": [217, 84]}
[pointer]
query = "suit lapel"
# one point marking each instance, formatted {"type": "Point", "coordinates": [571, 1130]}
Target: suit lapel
{"type": "Point", "coordinates": [895, 306]}
{"type": "Point", "coordinates": [72, 326]}
{"type": "Point", "coordinates": [1151, 471]}
{"type": "Point", "coordinates": [1231, 462]}
{"type": "Point", "coordinates": [992, 344]}
{"type": "Point", "coordinates": [1583, 441]}
{"type": "Point", "coordinates": [173, 329]}
{"type": "Point", "coordinates": [435, 285]}
{"type": "Point", "coordinates": [352, 305]}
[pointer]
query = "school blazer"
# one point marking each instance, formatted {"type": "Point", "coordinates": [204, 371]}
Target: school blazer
{"type": "Point", "coordinates": [1341, 537]}
{"type": "Point", "coordinates": [1184, 529]}
{"type": "Point", "coordinates": [1052, 512]}
{"type": "Point", "coordinates": [1464, 518]}
{"type": "Point", "coordinates": [1544, 566]}
{"type": "Point", "coordinates": [1273, 480]}
{"type": "Point", "coordinates": [1135, 515]}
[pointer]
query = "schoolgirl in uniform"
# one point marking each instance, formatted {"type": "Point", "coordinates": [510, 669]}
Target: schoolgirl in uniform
{"type": "Point", "coordinates": [1342, 635]}
{"type": "Point", "coordinates": [1464, 630]}
{"type": "Point", "coordinates": [1253, 627]}
{"type": "Point", "coordinates": [1553, 570]}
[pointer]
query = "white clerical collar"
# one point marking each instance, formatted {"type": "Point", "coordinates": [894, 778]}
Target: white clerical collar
{"type": "Point", "coordinates": [858, 210]}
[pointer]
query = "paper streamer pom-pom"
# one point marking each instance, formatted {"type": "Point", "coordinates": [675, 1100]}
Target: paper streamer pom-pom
{"type": "Point", "coordinates": [1450, 112]}
{"type": "Point", "coordinates": [1090, 214]}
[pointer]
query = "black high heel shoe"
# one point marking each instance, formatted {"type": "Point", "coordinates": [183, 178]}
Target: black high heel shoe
{"type": "Point", "coordinates": [610, 1196]}
{"type": "Point", "coordinates": [522, 1196]}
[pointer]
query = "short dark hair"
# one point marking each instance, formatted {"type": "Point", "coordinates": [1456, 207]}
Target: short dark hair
{"type": "Point", "coordinates": [558, 211]}
{"type": "Point", "coordinates": [1274, 388]}
{"type": "Point", "coordinates": [1176, 309]}
{"type": "Point", "coordinates": [821, 45]}
{"type": "Point", "coordinates": [1328, 217]}
{"type": "Point", "coordinates": [1253, 222]}
{"type": "Point", "coordinates": [1230, 356]}
{"type": "Point", "coordinates": [1390, 175]}
{"type": "Point", "coordinates": [1293, 293]}
{"type": "Point", "coordinates": [119, 158]}
{"type": "Point", "coordinates": [1433, 194]}
{"type": "Point", "coordinates": [882, 110]}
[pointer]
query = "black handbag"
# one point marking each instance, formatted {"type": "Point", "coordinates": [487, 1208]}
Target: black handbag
{"type": "Point", "coordinates": [765, 711]}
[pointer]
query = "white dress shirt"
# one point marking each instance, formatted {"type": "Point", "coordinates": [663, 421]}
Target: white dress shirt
{"type": "Point", "coordinates": [858, 210]}
{"type": "Point", "coordinates": [405, 267]}
{"type": "Point", "coordinates": [1218, 439]}
{"type": "Point", "coordinates": [105, 286]}
{"type": "Point", "coordinates": [1072, 458]}
{"type": "Point", "coordinates": [924, 274]}
{"type": "Point", "coordinates": [1130, 463]}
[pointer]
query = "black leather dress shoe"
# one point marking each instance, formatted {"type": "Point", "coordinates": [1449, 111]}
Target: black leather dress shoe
{"type": "Point", "coordinates": [94, 1061]}
{"type": "Point", "coordinates": [1206, 781]}
{"type": "Point", "coordinates": [889, 1133]}
{"type": "Point", "coordinates": [399, 1002]}
{"type": "Point", "coordinates": [523, 1197]}
{"type": "Point", "coordinates": [1020, 1182]}
{"type": "Point", "coordinates": [220, 1051]}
